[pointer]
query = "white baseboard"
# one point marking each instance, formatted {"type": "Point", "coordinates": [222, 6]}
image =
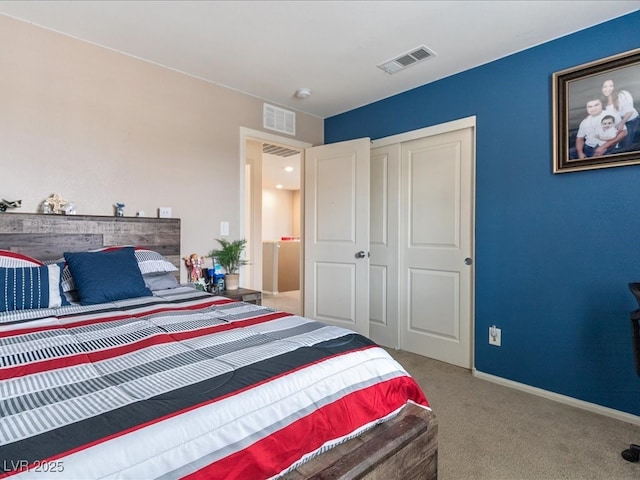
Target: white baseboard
{"type": "Point", "coordinates": [574, 402]}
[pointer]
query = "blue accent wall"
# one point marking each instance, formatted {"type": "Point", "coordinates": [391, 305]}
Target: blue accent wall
{"type": "Point", "coordinates": [554, 253]}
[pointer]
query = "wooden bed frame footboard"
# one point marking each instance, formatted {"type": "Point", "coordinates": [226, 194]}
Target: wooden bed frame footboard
{"type": "Point", "coordinates": [404, 448]}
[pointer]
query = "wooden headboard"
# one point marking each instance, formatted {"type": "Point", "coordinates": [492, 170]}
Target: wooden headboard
{"type": "Point", "coordinates": [47, 237]}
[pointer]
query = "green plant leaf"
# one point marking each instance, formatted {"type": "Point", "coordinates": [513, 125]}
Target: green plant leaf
{"type": "Point", "coordinates": [229, 255]}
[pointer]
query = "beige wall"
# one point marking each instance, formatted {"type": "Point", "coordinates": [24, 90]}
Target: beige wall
{"type": "Point", "coordinates": [100, 127]}
{"type": "Point", "coordinates": [278, 210]}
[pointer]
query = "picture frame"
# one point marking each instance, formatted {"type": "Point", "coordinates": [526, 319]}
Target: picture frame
{"type": "Point", "coordinates": [582, 136]}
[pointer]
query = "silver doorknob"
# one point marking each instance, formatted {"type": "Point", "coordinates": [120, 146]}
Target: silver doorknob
{"type": "Point", "coordinates": [468, 261]}
{"type": "Point", "coordinates": [361, 254]}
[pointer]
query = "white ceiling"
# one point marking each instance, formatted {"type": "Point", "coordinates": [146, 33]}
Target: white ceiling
{"type": "Point", "coordinates": [269, 49]}
{"type": "Point", "coordinates": [274, 173]}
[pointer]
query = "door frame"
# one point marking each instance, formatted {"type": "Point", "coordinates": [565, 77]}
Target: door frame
{"type": "Point", "coordinates": [250, 221]}
{"type": "Point", "coordinates": [447, 127]}
{"type": "Point", "coordinates": [460, 124]}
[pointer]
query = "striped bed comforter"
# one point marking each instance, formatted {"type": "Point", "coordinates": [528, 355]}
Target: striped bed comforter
{"type": "Point", "coordinates": [184, 385]}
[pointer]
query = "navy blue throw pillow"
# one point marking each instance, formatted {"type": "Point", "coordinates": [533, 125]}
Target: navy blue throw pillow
{"type": "Point", "coordinates": [102, 277]}
{"type": "Point", "coordinates": [31, 287]}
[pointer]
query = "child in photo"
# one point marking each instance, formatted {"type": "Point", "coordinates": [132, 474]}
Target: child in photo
{"type": "Point", "coordinates": [606, 130]}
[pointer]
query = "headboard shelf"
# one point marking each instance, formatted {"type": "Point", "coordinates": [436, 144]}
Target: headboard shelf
{"type": "Point", "coordinates": [47, 237]}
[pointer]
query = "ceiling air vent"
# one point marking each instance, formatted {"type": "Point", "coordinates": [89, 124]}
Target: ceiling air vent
{"type": "Point", "coordinates": [278, 151]}
{"type": "Point", "coordinates": [279, 119]}
{"type": "Point", "coordinates": [406, 60]}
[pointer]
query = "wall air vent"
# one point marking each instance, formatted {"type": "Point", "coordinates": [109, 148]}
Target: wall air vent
{"type": "Point", "coordinates": [279, 119]}
{"type": "Point", "coordinates": [407, 59]}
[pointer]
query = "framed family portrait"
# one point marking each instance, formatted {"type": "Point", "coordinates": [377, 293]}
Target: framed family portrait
{"type": "Point", "coordinates": [596, 120]}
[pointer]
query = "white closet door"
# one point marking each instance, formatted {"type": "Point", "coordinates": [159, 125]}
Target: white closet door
{"type": "Point", "coordinates": [436, 251]}
{"type": "Point", "coordinates": [384, 240]}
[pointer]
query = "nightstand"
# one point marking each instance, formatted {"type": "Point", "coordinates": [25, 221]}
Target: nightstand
{"type": "Point", "coordinates": [243, 295]}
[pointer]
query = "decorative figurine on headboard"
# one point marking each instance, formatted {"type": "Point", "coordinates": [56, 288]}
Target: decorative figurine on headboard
{"type": "Point", "coordinates": [54, 204]}
{"type": "Point", "coordinates": [70, 208]}
{"type": "Point", "coordinates": [4, 204]}
{"type": "Point", "coordinates": [119, 209]}
{"type": "Point", "coordinates": [194, 266]}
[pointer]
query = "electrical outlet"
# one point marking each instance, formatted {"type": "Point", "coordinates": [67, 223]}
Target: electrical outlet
{"type": "Point", "coordinates": [164, 212]}
{"type": "Point", "coordinates": [495, 336]}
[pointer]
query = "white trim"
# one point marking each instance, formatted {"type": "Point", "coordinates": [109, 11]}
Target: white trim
{"type": "Point", "coordinates": [573, 402]}
{"type": "Point", "coordinates": [467, 122]}
{"type": "Point", "coordinates": [269, 137]}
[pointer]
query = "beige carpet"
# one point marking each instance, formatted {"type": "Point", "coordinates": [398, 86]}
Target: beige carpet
{"type": "Point", "coordinates": [488, 431]}
{"type": "Point", "coordinates": [285, 301]}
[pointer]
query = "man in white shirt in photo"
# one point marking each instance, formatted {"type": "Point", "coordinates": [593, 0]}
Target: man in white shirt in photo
{"type": "Point", "coordinates": [587, 142]}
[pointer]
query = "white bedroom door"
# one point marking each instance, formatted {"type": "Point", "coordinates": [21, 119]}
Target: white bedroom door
{"type": "Point", "coordinates": [436, 266]}
{"type": "Point", "coordinates": [336, 234]}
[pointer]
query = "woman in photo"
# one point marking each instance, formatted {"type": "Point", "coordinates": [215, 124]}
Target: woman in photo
{"type": "Point", "coordinates": [620, 102]}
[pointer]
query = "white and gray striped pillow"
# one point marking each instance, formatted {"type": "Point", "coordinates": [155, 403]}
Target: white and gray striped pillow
{"type": "Point", "coordinates": [9, 259]}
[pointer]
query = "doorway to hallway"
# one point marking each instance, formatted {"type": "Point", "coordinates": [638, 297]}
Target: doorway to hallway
{"type": "Point", "coordinates": [272, 216]}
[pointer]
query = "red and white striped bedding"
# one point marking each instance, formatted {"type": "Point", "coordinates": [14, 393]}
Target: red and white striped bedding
{"type": "Point", "coordinates": [184, 385]}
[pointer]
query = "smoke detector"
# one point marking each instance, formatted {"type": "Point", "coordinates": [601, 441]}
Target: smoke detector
{"type": "Point", "coordinates": [303, 93]}
{"type": "Point", "coordinates": [416, 55]}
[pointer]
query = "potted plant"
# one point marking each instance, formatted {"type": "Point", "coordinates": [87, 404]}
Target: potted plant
{"type": "Point", "coordinates": [229, 256]}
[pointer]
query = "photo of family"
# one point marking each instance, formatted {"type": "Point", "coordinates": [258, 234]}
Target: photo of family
{"type": "Point", "coordinates": [596, 118]}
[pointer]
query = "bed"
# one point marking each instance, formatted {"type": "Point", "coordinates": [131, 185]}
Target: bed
{"type": "Point", "coordinates": [111, 369]}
